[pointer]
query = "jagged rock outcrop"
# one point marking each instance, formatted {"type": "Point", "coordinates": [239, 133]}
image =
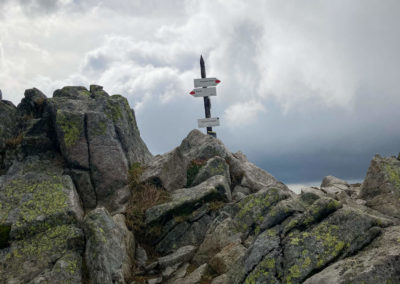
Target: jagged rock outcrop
{"type": "Point", "coordinates": [99, 139]}
{"type": "Point", "coordinates": [266, 234]}
{"type": "Point", "coordinates": [60, 158]}
{"type": "Point", "coordinates": [381, 187]}
{"type": "Point", "coordinates": [64, 218]}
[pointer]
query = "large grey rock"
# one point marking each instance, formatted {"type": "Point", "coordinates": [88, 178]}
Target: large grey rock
{"type": "Point", "coordinates": [8, 131]}
{"type": "Point", "coordinates": [39, 217]}
{"type": "Point", "coordinates": [33, 104]}
{"type": "Point", "coordinates": [381, 186]}
{"type": "Point", "coordinates": [188, 199]}
{"type": "Point", "coordinates": [214, 166]}
{"type": "Point", "coordinates": [227, 257]}
{"type": "Point", "coordinates": [97, 133]}
{"type": "Point", "coordinates": [109, 249]}
{"type": "Point", "coordinates": [377, 263]}
{"type": "Point", "coordinates": [183, 254]}
{"type": "Point", "coordinates": [332, 181]}
{"type": "Point", "coordinates": [35, 196]}
{"type": "Point", "coordinates": [171, 169]}
{"type": "Point", "coordinates": [195, 277]}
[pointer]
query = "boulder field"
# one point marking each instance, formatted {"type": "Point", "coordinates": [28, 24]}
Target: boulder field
{"type": "Point", "coordinates": [84, 201]}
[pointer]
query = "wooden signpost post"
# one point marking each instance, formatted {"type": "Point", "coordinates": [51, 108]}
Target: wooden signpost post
{"type": "Point", "coordinates": [205, 87]}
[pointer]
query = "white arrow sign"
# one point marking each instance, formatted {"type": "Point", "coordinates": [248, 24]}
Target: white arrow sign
{"type": "Point", "coordinates": [208, 122]}
{"type": "Point", "coordinates": [204, 92]}
{"type": "Point", "coordinates": [206, 82]}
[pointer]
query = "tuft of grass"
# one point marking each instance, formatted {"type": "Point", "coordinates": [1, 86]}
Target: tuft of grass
{"type": "Point", "coordinates": [143, 197]}
{"type": "Point", "coordinates": [12, 143]}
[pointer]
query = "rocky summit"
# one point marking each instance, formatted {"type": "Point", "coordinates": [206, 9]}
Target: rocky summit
{"type": "Point", "coordinates": [84, 201]}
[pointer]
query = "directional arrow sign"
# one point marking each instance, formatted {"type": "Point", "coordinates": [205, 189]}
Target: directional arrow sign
{"type": "Point", "coordinates": [204, 92]}
{"type": "Point", "coordinates": [208, 122]}
{"type": "Point", "coordinates": [206, 82]}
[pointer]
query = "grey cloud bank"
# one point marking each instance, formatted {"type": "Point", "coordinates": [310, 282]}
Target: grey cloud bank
{"type": "Point", "coordinates": [309, 88]}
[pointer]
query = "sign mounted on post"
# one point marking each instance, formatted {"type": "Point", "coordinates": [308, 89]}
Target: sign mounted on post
{"type": "Point", "coordinates": [206, 82]}
{"type": "Point", "coordinates": [205, 88]}
{"type": "Point", "coordinates": [204, 92]}
{"type": "Point", "coordinates": [208, 122]}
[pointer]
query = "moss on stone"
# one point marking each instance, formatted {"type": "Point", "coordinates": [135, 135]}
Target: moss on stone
{"type": "Point", "coordinates": [393, 174]}
{"type": "Point", "coordinates": [71, 126]}
{"type": "Point", "coordinates": [113, 110]}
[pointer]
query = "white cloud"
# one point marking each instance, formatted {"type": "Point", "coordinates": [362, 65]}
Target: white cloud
{"type": "Point", "coordinates": [243, 113]}
{"type": "Point", "coordinates": [297, 76]}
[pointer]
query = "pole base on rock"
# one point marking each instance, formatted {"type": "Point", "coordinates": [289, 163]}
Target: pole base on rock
{"type": "Point", "coordinates": [212, 133]}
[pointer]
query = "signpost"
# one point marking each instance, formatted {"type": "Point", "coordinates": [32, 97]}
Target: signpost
{"type": "Point", "coordinates": [206, 82]}
{"type": "Point", "coordinates": [208, 122]}
{"type": "Point", "coordinates": [205, 87]}
{"type": "Point", "coordinates": [204, 92]}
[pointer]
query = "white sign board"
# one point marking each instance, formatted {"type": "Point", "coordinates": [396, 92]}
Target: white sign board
{"type": "Point", "coordinates": [208, 122]}
{"type": "Point", "coordinates": [206, 82]}
{"type": "Point", "coordinates": [204, 92]}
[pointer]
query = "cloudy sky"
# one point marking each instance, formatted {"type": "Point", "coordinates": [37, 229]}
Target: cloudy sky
{"type": "Point", "coordinates": [309, 88]}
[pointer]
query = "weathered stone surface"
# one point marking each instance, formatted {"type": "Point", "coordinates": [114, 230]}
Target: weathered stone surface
{"type": "Point", "coordinates": [84, 187]}
{"type": "Point", "coordinates": [35, 196]}
{"type": "Point", "coordinates": [171, 169]}
{"type": "Point", "coordinates": [251, 176]}
{"type": "Point", "coordinates": [188, 199]}
{"type": "Point", "coordinates": [222, 279]}
{"type": "Point", "coordinates": [98, 133]}
{"type": "Point", "coordinates": [141, 256]}
{"type": "Point", "coordinates": [109, 248]}
{"type": "Point", "coordinates": [195, 277]}
{"type": "Point", "coordinates": [183, 234]}
{"type": "Point", "coordinates": [33, 103]}
{"type": "Point", "coordinates": [332, 181]}
{"type": "Point", "coordinates": [67, 269]}
{"type": "Point", "coordinates": [377, 263]}
{"type": "Point", "coordinates": [229, 255]}
{"type": "Point", "coordinates": [219, 235]}
{"type": "Point", "coordinates": [8, 131]}
{"type": "Point", "coordinates": [25, 259]}
{"type": "Point", "coordinates": [183, 254]}
{"type": "Point", "coordinates": [381, 187]}
{"type": "Point", "coordinates": [214, 166]}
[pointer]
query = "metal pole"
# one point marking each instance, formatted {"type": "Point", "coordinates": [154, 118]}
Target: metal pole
{"type": "Point", "coordinates": [207, 101]}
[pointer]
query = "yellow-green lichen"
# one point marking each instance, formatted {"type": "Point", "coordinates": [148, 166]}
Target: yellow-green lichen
{"type": "Point", "coordinates": [37, 201]}
{"type": "Point", "coordinates": [294, 273]}
{"type": "Point", "coordinates": [44, 244]}
{"type": "Point", "coordinates": [394, 175]}
{"type": "Point", "coordinates": [71, 126]}
{"type": "Point", "coordinates": [263, 270]}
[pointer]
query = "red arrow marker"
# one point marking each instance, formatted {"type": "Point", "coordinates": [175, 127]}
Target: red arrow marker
{"type": "Point", "coordinates": [217, 81]}
{"type": "Point", "coordinates": [192, 92]}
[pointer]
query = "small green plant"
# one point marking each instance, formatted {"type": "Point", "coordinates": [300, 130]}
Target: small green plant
{"type": "Point", "coordinates": [193, 170]}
